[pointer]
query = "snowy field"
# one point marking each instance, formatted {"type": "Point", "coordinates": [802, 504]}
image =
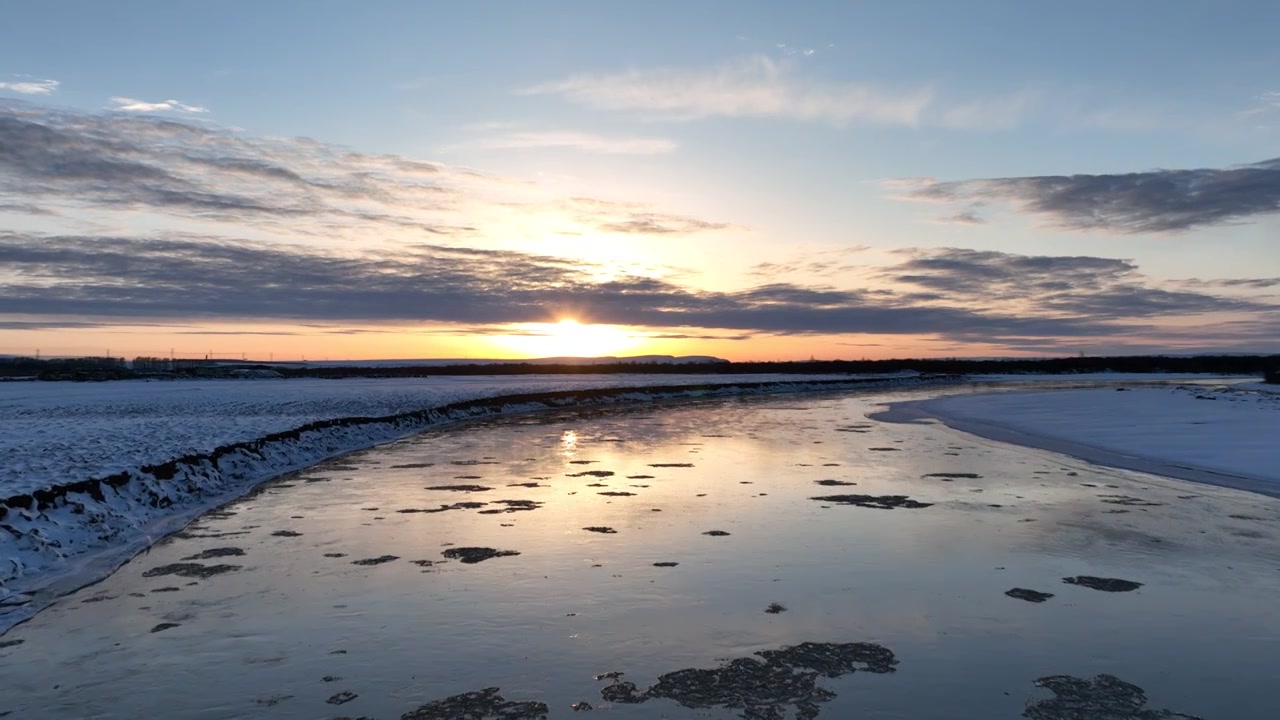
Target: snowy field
{"type": "Point", "coordinates": [1227, 435]}
{"type": "Point", "coordinates": [63, 432]}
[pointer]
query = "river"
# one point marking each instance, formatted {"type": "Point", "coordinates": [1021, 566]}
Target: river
{"type": "Point", "coordinates": [332, 592]}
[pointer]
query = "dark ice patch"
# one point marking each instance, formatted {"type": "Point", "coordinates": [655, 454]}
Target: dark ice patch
{"type": "Point", "coordinates": [833, 483]}
{"type": "Point", "coordinates": [376, 561]}
{"type": "Point", "coordinates": [878, 502]}
{"type": "Point", "coordinates": [460, 488]}
{"type": "Point", "coordinates": [1028, 595]}
{"type": "Point", "coordinates": [479, 705]}
{"type": "Point", "coordinates": [765, 688]}
{"type": "Point", "coordinates": [465, 505]}
{"type": "Point", "coordinates": [472, 555]}
{"type": "Point", "coordinates": [1103, 697]}
{"type": "Point", "coordinates": [216, 553]}
{"type": "Point", "coordinates": [1128, 501]}
{"type": "Point", "coordinates": [342, 698]}
{"type": "Point", "coordinates": [512, 506]}
{"type": "Point", "coordinates": [189, 570]}
{"type": "Point", "coordinates": [1103, 584]}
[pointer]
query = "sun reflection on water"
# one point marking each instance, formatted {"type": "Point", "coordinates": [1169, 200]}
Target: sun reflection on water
{"type": "Point", "coordinates": [569, 442]}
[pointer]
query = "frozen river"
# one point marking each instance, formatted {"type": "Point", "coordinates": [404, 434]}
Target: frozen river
{"type": "Point", "coordinates": [332, 592]}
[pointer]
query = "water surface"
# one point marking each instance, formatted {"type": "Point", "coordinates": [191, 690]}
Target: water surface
{"type": "Point", "coordinates": [271, 616]}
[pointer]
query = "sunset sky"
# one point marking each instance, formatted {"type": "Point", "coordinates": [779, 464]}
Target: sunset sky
{"type": "Point", "coordinates": [748, 180]}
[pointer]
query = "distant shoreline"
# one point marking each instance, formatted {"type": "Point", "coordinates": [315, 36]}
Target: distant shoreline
{"type": "Point", "coordinates": [100, 369]}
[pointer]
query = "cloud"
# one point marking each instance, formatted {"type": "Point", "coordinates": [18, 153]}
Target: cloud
{"type": "Point", "coordinates": [56, 160]}
{"type": "Point", "coordinates": [964, 217]}
{"type": "Point", "coordinates": [656, 224]}
{"type": "Point", "coordinates": [125, 104]}
{"type": "Point", "coordinates": [1052, 286]}
{"type": "Point", "coordinates": [1000, 113]}
{"type": "Point", "coordinates": [687, 336]}
{"type": "Point", "coordinates": [821, 264]}
{"type": "Point", "coordinates": [1246, 283]}
{"type": "Point", "coordinates": [1156, 201]}
{"type": "Point", "coordinates": [31, 87]}
{"type": "Point", "coordinates": [205, 279]}
{"type": "Point", "coordinates": [625, 218]}
{"type": "Point", "coordinates": [295, 231]}
{"type": "Point", "coordinates": [1264, 104]}
{"type": "Point", "coordinates": [577, 141]}
{"type": "Point", "coordinates": [752, 87]}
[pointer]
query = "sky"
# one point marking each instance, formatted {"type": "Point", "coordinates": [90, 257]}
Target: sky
{"type": "Point", "coordinates": [749, 180]}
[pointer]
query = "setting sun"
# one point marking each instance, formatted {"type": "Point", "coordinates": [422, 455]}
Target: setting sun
{"type": "Point", "coordinates": [569, 338]}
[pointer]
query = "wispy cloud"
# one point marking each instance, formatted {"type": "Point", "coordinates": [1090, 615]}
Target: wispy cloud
{"type": "Point", "coordinates": [964, 217]}
{"type": "Point", "coordinates": [1265, 104]}
{"type": "Point", "coordinates": [1156, 201]}
{"type": "Point", "coordinates": [125, 104]}
{"type": "Point", "coordinates": [999, 113]}
{"type": "Point", "coordinates": [753, 87]}
{"type": "Point", "coordinates": [585, 142]}
{"type": "Point", "coordinates": [64, 161]}
{"type": "Point", "coordinates": [31, 86]}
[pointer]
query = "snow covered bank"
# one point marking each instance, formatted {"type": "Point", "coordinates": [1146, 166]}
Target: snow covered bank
{"type": "Point", "coordinates": [1224, 436]}
{"type": "Point", "coordinates": [54, 432]}
{"type": "Point", "coordinates": [60, 535]}
{"type": "Point", "coordinates": [1111, 377]}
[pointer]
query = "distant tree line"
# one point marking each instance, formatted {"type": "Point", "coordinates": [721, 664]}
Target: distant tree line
{"type": "Point", "coordinates": [1218, 364]}
{"type": "Point", "coordinates": [85, 368]}
{"type": "Point", "coordinates": [98, 368]}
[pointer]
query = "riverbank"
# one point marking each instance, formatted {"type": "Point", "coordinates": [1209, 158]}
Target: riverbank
{"type": "Point", "coordinates": [1224, 436]}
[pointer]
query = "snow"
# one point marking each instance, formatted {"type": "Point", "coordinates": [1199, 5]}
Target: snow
{"type": "Point", "coordinates": [1224, 436]}
{"type": "Point", "coordinates": [1110, 377]}
{"type": "Point", "coordinates": [1258, 387]}
{"type": "Point", "coordinates": [91, 474]}
{"type": "Point", "coordinates": [63, 432]}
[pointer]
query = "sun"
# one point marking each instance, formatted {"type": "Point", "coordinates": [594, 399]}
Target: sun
{"type": "Point", "coordinates": [569, 338]}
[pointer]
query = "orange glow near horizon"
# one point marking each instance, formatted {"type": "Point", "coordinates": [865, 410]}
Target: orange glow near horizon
{"type": "Point", "coordinates": [570, 338]}
{"type": "Point", "coordinates": [567, 337]}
